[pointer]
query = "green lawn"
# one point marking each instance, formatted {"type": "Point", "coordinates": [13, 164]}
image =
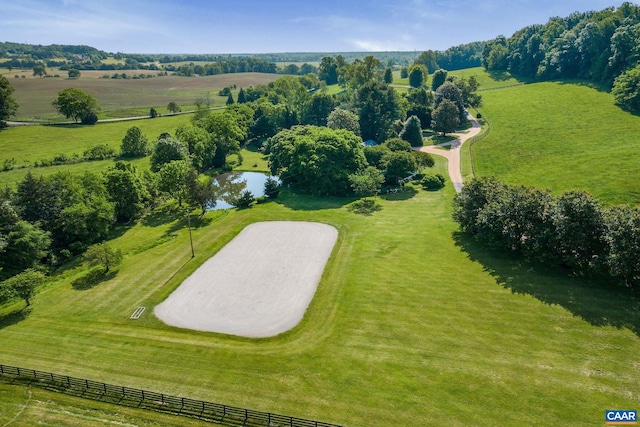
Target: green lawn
{"type": "Point", "coordinates": [30, 144]}
{"type": "Point", "coordinates": [562, 136]}
{"type": "Point", "coordinates": [412, 325]}
{"type": "Point", "coordinates": [23, 406]}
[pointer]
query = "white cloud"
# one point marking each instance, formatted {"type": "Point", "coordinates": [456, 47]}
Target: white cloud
{"type": "Point", "coordinates": [376, 45]}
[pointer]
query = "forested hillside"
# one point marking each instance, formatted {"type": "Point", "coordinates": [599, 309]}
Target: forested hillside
{"type": "Point", "coordinates": [596, 46]}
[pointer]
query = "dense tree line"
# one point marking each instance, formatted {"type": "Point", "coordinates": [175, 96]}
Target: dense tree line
{"type": "Point", "coordinates": [455, 58]}
{"type": "Point", "coordinates": [596, 46]}
{"type": "Point", "coordinates": [224, 66]}
{"type": "Point", "coordinates": [39, 52]}
{"type": "Point", "coordinates": [573, 230]}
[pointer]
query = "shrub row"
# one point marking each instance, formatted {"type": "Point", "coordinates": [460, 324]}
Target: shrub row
{"type": "Point", "coordinates": [573, 230]}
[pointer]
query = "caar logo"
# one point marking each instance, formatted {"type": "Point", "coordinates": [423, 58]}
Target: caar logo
{"type": "Point", "coordinates": [618, 417]}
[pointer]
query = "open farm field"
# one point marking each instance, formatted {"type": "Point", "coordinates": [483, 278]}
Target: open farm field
{"type": "Point", "coordinates": [562, 136]}
{"type": "Point", "coordinates": [125, 97]}
{"type": "Point", "coordinates": [412, 324]}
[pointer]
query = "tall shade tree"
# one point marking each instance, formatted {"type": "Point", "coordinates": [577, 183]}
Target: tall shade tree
{"type": "Point", "coordinates": [388, 76]}
{"type": "Point", "coordinates": [317, 160]}
{"type": "Point", "coordinates": [439, 77]}
{"type": "Point", "coordinates": [73, 73]}
{"type": "Point", "coordinates": [328, 70]}
{"type": "Point", "coordinates": [378, 108]}
{"type": "Point", "coordinates": [39, 70]}
{"type": "Point", "coordinates": [452, 93]}
{"type": "Point", "coordinates": [8, 104]}
{"type": "Point", "coordinates": [317, 110]}
{"type": "Point", "coordinates": [417, 76]}
{"type": "Point", "coordinates": [623, 239]}
{"type": "Point", "coordinates": [626, 90]}
{"type": "Point", "coordinates": [127, 191]}
{"type": "Point", "coordinates": [135, 143]}
{"type": "Point", "coordinates": [202, 193]}
{"type": "Point", "coordinates": [446, 117]}
{"type": "Point", "coordinates": [22, 244]}
{"type": "Point", "coordinates": [167, 149]}
{"type": "Point", "coordinates": [173, 179]}
{"type": "Point", "coordinates": [76, 104]}
{"type": "Point", "coordinates": [580, 231]}
{"type": "Point", "coordinates": [226, 131]}
{"type": "Point", "coordinates": [343, 119]}
{"type": "Point", "coordinates": [366, 182]}
{"type": "Point", "coordinates": [398, 164]}
{"type": "Point", "coordinates": [173, 107]}
{"type": "Point", "coordinates": [23, 285]}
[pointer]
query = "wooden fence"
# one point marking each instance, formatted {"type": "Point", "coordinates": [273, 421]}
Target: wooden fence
{"type": "Point", "coordinates": [206, 411]}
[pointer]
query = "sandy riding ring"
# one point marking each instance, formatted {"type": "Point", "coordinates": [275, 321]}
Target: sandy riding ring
{"type": "Point", "coordinates": [259, 285]}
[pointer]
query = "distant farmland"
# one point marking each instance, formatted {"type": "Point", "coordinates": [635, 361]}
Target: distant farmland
{"type": "Point", "coordinates": [121, 97]}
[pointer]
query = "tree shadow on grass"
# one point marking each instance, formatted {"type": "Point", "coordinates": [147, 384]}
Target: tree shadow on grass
{"type": "Point", "coordinates": [406, 193]}
{"type": "Point", "coordinates": [164, 214]}
{"type": "Point", "coordinates": [14, 317]}
{"type": "Point", "coordinates": [302, 202]}
{"type": "Point", "coordinates": [92, 279]}
{"type": "Point", "coordinates": [364, 207]}
{"type": "Point", "coordinates": [595, 301]}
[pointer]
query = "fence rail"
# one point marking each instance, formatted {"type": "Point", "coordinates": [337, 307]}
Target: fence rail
{"type": "Point", "coordinates": [475, 139]}
{"type": "Point", "coordinates": [144, 399]}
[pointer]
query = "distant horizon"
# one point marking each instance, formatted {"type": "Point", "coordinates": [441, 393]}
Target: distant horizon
{"type": "Point", "coordinates": [249, 27]}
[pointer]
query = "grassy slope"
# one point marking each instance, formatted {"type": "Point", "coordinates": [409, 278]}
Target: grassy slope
{"type": "Point", "coordinates": [410, 326]}
{"type": "Point", "coordinates": [561, 136]}
{"type": "Point", "coordinates": [30, 144]}
{"type": "Point", "coordinates": [23, 407]}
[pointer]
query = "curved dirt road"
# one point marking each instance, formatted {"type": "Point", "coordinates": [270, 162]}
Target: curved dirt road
{"type": "Point", "coordinates": [453, 154]}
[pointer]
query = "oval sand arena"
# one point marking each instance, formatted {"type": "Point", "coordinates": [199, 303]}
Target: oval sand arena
{"type": "Point", "coordinates": [259, 285]}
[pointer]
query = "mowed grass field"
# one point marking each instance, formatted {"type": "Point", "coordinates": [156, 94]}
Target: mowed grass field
{"type": "Point", "coordinates": [30, 144]}
{"type": "Point", "coordinates": [559, 135]}
{"type": "Point", "coordinates": [411, 325]}
{"type": "Point", "coordinates": [127, 97]}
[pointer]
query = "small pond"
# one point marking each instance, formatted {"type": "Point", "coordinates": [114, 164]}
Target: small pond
{"type": "Point", "coordinates": [233, 184]}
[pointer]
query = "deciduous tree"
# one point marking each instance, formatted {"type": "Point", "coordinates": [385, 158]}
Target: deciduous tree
{"type": "Point", "coordinates": [398, 164]}
{"type": "Point", "coordinates": [343, 119]}
{"type": "Point", "coordinates": [39, 70]}
{"type": "Point", "coordinates": [167, 149]}
{"type": "Point", "coordinates": [22, 285]}
{"type": "Point", "coordinates": [135, 143]}
{"type": "Point", "coordinates": [127, 191]}
{"type": "Point", "coordinates": [439, 77]}
{"type": "Point", "coordinates": [8, 104]}
{"type": "Point", "coordinates": [318, 160]}
{"type": "Point", "coordinates": [173, 107]}
{"type": "Point", "coordinates": [366, 182]}
{"type": "Point", "coordinates": [103, 255]}
{"type": "Point", "coordinates": [446, 117]}
{"type": "Point", "coordinates": [378, 107]}
{"type": "Point", "coordinates": [626, 90]}
{"type": "Point", "coordinates": [173, 179]}
{"type": "Point", "coordinates": [76, 104]}
{"type": "Point", "coordinates": [417, 76]}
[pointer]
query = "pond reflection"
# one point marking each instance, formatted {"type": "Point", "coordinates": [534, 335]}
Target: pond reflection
{"type": "Point", "coordinates": [231, 185]}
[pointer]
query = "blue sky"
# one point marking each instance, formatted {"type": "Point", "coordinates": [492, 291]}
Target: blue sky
{"type": "Point", "coordinates": [246, 26]}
